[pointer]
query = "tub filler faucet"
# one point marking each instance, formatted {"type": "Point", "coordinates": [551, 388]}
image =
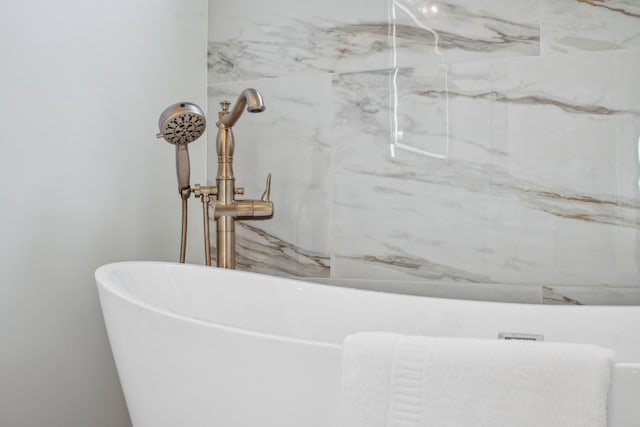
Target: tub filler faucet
{"type": "Point", "coordinates": [220, 197]}
{"type": "Point", "coordinates": [226, 209]}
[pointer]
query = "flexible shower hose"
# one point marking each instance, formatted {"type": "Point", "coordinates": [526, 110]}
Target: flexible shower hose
{"type": "Point", "coordinates": [183, 237]}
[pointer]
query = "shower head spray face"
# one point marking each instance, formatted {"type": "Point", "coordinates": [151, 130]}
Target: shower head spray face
{"type": "Point", "coordinates": [181, 124]}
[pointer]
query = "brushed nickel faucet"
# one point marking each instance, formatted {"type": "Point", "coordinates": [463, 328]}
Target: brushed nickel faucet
{"type": "Point", "coordinates": [221, 197]}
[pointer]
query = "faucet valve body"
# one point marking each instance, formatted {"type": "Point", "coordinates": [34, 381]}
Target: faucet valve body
{"type": "Point", "coordinates": [246, 209]}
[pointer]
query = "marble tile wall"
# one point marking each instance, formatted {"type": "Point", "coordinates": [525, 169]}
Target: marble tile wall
{"type": "Point", "coordinates": [458, 141]}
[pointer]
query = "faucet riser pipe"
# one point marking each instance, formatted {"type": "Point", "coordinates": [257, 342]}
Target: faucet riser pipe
{"type": "Point", "coordinates": [207, 238]}
{"type": "Point", "coordinates": [226, 242]}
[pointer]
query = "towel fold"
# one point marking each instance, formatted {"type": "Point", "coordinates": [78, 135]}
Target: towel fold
{"type": "Point", "coordinates": [392, 380]}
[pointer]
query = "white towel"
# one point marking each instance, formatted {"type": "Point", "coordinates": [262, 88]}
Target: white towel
{"type": "Point", "coordinates": [392, 380]}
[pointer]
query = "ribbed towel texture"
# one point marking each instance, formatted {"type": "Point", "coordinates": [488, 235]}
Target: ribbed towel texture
{"type": "Point", "coordinates": [392, 380]}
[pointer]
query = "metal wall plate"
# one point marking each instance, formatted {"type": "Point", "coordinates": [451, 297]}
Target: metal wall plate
{"type": "Point", "coordinates": [520, 336]}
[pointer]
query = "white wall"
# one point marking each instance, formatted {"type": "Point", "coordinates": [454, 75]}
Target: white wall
{"type": "Point", "coordinates": [82, 84]}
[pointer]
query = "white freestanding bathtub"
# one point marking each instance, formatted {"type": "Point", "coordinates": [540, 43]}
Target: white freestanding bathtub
{"type": "Point", "coordinates": [201, 346]}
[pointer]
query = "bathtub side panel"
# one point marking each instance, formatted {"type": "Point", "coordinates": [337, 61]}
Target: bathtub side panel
{"type": "Point", "coordinates": [175, 372]}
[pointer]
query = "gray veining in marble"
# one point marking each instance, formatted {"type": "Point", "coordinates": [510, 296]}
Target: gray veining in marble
{"type": "Point", "coordinates": [582, 295]}
{"type": "Point", "coordinates": [458, 30]}
{"type": "Point", "coordinates": [261, 252]}
{"type": "Point", "coordinates": [589, 25]}
{"type": "Point", "coordinates": [250, 40]}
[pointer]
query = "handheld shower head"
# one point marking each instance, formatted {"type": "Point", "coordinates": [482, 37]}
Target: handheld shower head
{"type": "Point", "coordinates": [181, 124]}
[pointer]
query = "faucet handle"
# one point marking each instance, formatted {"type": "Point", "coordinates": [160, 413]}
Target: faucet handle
{"type": "Point", "coordinates": [267, 191]}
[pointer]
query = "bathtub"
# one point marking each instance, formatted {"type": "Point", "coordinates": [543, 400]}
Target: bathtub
{"type": "Point", "coordinates": [202, 346]}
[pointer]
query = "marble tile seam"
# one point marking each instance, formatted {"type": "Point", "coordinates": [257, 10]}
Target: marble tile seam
{"type": "Point", "coordinates": [499, 61]}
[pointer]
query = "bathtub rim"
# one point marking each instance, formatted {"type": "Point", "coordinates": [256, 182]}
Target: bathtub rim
{"type": "Point", "coordinates": [104, 284]}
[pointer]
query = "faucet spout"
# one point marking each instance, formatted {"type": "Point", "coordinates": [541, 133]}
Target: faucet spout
{"type": "Point", "coordinates": [250, 98]}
